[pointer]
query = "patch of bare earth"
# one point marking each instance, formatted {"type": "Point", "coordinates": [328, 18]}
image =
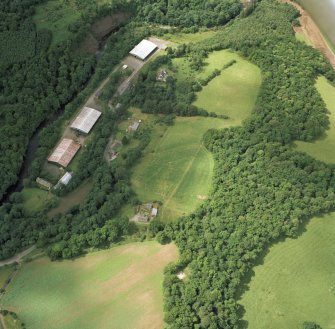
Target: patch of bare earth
{"type": "Point", "coordinates": [311, 30]}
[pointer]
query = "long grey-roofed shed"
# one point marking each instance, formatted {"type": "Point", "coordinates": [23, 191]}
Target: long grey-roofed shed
{"type": "Point", "coordinates": [86, 119]}
{"type": "Point", "coordinates": [143, 49]}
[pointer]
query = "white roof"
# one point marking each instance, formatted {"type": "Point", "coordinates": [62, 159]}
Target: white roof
{"type": "Point", "coordinates": [66, 178]}
{"type": "Point", "coordinates": [86, 119]}
{"type": "Point", "coordinates": [154, 212]}
{"type": "Point", "coordinates": [143, 49]}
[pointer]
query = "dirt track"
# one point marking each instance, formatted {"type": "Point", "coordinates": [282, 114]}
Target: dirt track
{"type": "Point", "coordinates": [311, 30]}
{"type": "Point", "coordinates": [17, 257]}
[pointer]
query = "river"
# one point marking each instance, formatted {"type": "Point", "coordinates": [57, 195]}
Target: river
{"type": "Point", "coordinates": [323, 13]}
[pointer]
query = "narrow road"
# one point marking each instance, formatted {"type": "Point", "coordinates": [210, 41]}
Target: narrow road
{"type": "Point", "coordinates": [2, 322]}
{"type": "Point", "coordinates": [17, 258]}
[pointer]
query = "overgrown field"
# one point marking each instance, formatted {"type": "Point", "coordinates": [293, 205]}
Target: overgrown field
{"type": "Point", "coordinates": [56, 16]}
{"type": "Point", "coordinates": [296, 283]}
{"type": "Point", "coordinates": [323, 148]}
{"type": "Point", "coordinates": [117, 288]}
{"type": "Point", "coordinates": [234, 91]}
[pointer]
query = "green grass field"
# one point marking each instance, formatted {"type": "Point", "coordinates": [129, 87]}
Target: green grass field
{"type": "Point", "coordinates": [117, 288]}
{"type": "Point", "coordinates": [176, 168]}
{"type": "Point", "coordinates": [35, 198]}
{"type": "Point", "coordinates": [234, 92]}
{"type": "Point", "coordinates": [296, 283]}
{"type": "Point", "coordinates": [323, 148]}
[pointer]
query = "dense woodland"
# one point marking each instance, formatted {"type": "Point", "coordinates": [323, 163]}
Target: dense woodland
{"type": "Point", "coordinates": [188, 13]}
{"type": "Point", "coordinates": [262, 188]}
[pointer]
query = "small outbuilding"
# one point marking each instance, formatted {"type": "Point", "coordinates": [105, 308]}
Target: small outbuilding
{"type": "Point", "coordinates": [66, 178]}
{"type": "Point", "coordinates": [134, 126]}
{"type": "Point", "coordinates": [85, 120]}
{"type": "Point", "coordinates": [144, 49]}
{"type": "Point", "coordinates": [43, 183]}
{"type": "Point", "coordinates": [64, 152]}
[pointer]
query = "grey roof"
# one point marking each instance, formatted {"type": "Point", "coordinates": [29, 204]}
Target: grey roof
{"type": "Point", "coordinates": [86, 119]}
{"type": "Point", "coordinates": [143, 49]}
{"type": "Point", "coordinates": [66, 178]}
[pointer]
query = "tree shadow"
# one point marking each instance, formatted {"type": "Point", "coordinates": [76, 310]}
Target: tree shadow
{"type": "Point", "coordinates": [246, 279]}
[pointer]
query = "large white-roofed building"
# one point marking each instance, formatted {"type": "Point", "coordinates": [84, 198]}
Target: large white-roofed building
{"type": "Point", "coordinates": [86, 119]}
{"type": "Point", "coordinates": [64, 152]}
{"type": "Point", "coordinates": [144, 49]}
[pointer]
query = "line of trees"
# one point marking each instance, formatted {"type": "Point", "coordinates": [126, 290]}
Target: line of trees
{"type": "Point", "coordinates": [186, 13]}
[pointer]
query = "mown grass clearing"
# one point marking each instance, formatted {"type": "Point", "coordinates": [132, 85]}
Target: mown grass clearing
{"type": "Point", "coordinates": [323, 148]}
{"type": "Point", "coordinates": [296, 283]}
{"type": "Point", "coordinates": [234, 92]}
{"type": "Point", "coordinates": [117, 288]}
{"type": "Point", "coordinates": [176, 168]}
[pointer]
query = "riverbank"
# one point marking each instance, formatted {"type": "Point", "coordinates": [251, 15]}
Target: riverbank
{"type": "Point", "coordinates": [312, 31]}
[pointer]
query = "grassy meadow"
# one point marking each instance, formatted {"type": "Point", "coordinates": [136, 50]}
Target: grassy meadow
{"type": "Point", "coordinates": [117, 288]}
{"type": "Point", "coordinates": [234, 92]}
{"type": "Point", "coordinates": [296, 283]}
{"type": "Point", "coordinates": [323, 148]}
{"type": "Point", "coordinates": [176, 168]}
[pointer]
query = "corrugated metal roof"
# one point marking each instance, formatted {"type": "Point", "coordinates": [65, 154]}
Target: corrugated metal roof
{"type": "Point", "coordinates": [86, 119]}
{"type": "Point", "coordinates": [64, 152]}
{"type": "Point", "coordinates": [66, 178]}
{"type": "Point", "coordinates": [143, 49]}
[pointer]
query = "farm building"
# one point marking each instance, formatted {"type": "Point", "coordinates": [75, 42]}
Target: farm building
{"type": "Point", "coordinates": [64, 152]}
{"type": "Point", "coordinates": [66, 178]}
{"type": "Point", "coordinates": [143, 50]}
{"type": "Point", "coordinates": [134, 126]}
{"type": "Point", "coordinates": [43, 183]}
{"type": "Point", "coordinates": [86, 120]}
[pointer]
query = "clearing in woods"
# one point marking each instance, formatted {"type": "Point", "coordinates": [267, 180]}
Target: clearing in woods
{"type": "Point", "coordinates": [117, 288]}
{"type": "Point", "coordinates": [323, 148]}
{"type": "Point", "coordinates": [234, 92]}
{"type": "Point", "coordinates": [296, 281]}
{"type": "Point", "coordinates": [176, 169]}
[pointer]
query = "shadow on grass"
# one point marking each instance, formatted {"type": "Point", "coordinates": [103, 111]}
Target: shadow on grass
{"type": "Point", "coordinates": [246, 279]}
